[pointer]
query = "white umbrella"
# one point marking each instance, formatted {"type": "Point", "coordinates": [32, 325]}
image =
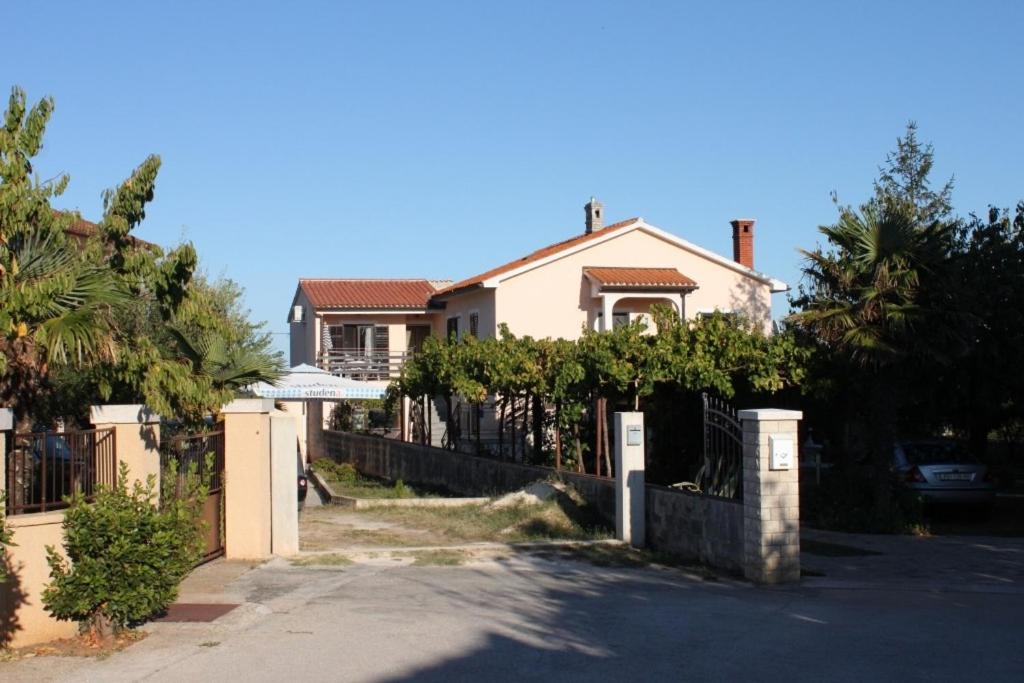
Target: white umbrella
{"type": "Point", "coordinates": [305, 382]}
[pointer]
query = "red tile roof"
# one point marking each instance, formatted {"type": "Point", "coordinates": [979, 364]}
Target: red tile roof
{"type": "Point", "coordinates": [369, 294]}
{"type": "Point", "coordinates": [640, 277]}
{"type": "Point", "coordinates": [86, 229]}
{"type": "Point", "coordinates": [549, 250]}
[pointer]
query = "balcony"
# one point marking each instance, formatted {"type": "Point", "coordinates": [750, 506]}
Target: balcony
{"type": "Point", "coordinates": [363, 365]}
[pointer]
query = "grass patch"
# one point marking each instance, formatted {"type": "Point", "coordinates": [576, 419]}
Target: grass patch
{"type": "Point", "coordinates": [436, 558]}
{"type": "Point", "coordinates": [515, 523]}
{"type": "Point", "coordinates": [326, 560]}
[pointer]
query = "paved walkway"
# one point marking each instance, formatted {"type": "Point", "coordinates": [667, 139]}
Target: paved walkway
{"type": "Point", "coordinates": [913, 562]}
{"type": "Point", "coordinates": [526, 618]}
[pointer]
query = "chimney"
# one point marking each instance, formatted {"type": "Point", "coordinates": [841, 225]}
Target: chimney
{"type": "Point", "coordinates": [743, 241]}
{"type": "Point", "coordinates": [595, 215]}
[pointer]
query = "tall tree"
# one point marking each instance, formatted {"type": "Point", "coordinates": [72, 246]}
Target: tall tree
{"type": "Point", "coordinates": [905, 180]}
{"type": "Point", "coordinates": [56, 306]}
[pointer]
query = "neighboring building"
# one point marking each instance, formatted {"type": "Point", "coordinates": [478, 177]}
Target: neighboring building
{"type": "Point", "coordinates": [365, 329]}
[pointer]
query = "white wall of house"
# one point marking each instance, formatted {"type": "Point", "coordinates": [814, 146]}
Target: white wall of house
{"type": "Point", "coordinates": [480, 301]}
{"type": "Point", "coordinates": [302, 334]}
{"type": "Point", "coordinates": [554, 300]}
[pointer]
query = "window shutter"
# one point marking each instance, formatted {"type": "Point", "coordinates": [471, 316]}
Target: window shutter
{"type": "Point", "coordinates": [380, 338]}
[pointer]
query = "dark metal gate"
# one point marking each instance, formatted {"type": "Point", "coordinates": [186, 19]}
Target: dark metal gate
{"type": "Point", "coordinates": [721, 472]}
{"type": "Point", "coordinates": [44, 468]}
{"type": "Point", "coordinates": [205, 453]}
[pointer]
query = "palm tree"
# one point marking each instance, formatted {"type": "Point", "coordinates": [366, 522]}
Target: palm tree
{"type": "Point", "coordinates": [863, 300]}
{"type": "Point", "coordinates": [56, 311]}
{"type": "Point", "coordinates": [228, 368]}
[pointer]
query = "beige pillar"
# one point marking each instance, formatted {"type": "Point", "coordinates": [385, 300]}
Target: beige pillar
{"type": "Point", "coordinates": [247, 516]}
{"type": "Point", "coordinates": [771, 495]}
{"type": "Point", "coordinates": [284, 495]}
{"type": "Point", "coordinates": [136, 437]}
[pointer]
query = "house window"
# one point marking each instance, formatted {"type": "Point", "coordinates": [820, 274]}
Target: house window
{"type": "Point", "coordinates": [474, 323]}
{"type": "Point", "coordinates": [361, 340]}
{"type": "Point", "coordinates": [415, 335]}
{"type": "Point", "coordinates": [620, 320]}
{"type": "Point", "coordinates": [453, 327]}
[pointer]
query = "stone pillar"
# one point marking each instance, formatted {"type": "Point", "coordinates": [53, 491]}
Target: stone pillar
{"type": "Point", "coordinates": [284, 497]}
{"type": "Point", "coordinates": [136, 437]}
{"type": "Point", "coordinates": [630, 490]}
{"type": "Point", "coordinates": [771, 495]}
{"type": "Point", "coordinates": [247, 503]}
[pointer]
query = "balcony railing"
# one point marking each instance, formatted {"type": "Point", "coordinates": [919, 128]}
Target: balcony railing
{"type": "Point", "coordinates": [363, 365]}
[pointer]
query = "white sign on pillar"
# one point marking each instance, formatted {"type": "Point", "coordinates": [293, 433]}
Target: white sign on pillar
{"type": "Point", "coordinates": [781, 453]}
{"type": "Point", "coordinates": [630, 491]}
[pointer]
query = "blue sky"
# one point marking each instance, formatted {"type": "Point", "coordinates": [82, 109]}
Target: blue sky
{"type": "Point", "coordinates": [439, 139]}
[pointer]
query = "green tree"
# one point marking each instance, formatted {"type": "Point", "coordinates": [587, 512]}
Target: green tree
{"type": "Point", "coordinates": [905, 180]}
{"type": "Point", "coordinates": [56, 306]}
{"type": "Point", "coordinates": [983, 389]}
{"type": "Point", "coordinates": [109, 317]}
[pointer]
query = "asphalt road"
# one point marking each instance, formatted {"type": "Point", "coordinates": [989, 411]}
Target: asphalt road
{"type": "Point", "coordinates": [527, 618]}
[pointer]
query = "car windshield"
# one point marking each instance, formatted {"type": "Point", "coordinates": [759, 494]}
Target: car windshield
{"type": "Point", "coordinates": [936, 453]}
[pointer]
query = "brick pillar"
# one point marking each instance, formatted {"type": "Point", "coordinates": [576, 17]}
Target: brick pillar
{"type": "Point", "coordinates": [743, 241]}
{"type": "Point", "coordinates": [771, 495]}
{"type": "Point", "coordinates": [247, 478]}
{"type": "Point", "coordinates": [136, 437]}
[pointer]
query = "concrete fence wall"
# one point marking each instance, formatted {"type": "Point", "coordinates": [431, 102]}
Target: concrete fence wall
{"type": "Point", "coordinates": [261, 511]}
{"type": "Point", "coordinates": [678, 522]}
{"type": "Point", "coordinates": [23, 620]}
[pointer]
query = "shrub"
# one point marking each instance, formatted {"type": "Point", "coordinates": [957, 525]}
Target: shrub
{"type": "Point", "coordinates": [403, 491]}
{"type": "Point", "coordinates": [342, 472]}
{"type": "Point", "coordinates": [847, 500]}
{"type": "Point", "coordinates": [125, 554]}
{"type": "Point", "coordinates": [6, 537]}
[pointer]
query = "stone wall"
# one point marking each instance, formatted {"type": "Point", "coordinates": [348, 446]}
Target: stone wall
{"type": "Point", "coordinates": [681, 523]}
{"type": "Point", "coordinates": [467, 475]}
{"type": "Point", "coordinates": [692, 525]}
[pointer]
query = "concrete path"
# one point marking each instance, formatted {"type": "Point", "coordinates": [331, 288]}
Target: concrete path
{"type": "Point", "coordinates": [526, 618]}
{"type": "Point", "coordinates": [935, 562]}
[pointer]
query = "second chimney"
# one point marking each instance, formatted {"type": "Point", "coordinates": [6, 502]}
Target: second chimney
{"type": "Point", "coordinates": [743, 241]}
{"type": "Point", "coordinates": [595, 215]}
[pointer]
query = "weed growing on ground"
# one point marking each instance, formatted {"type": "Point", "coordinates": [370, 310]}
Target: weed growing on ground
{"type": "Point", "coordinates": [437, 558]}
{"type": "Point", "coordinates": [326, 560]}
{"type": "Point", "coordinates": [510, 524]}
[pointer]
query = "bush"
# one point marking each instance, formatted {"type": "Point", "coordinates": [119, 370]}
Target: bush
{"type": "Point", "coordinates": [848, 500]}
{"type": "Point", "coordinates": [6, 537]}
{"type": "Point", "coordinates": [125, 555]}
{"type": "Point", "coordinates": [342, 472]}
{"type": "Point", "coordinates": [403, 491]}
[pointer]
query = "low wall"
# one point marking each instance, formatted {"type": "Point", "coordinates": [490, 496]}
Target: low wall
{"type": "Point", "coordinates": [692, 525]}
{"type": "Point", "coordinates": [23, 620]}
{"type": "Point", "coordinates": [468, 475]}
{"type": "Point", "coordinates": [681, 523]}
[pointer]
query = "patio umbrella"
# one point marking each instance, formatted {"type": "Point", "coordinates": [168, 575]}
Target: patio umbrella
{"type": "Point", "coordinates": [307, 383]}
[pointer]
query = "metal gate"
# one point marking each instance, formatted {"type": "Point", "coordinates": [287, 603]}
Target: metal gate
{"type": "Point", "coordinates": [44, 468]}
{"type": "Point", "coordinates": [721, 472]}
{"type": "Point", "coordinates": [204, 452]}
